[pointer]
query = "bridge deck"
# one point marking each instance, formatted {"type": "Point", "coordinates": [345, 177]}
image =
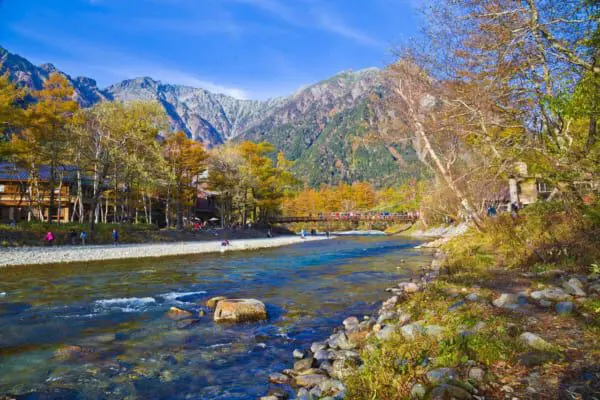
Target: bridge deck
{"type": "Point", "coordinates": [351, 217]}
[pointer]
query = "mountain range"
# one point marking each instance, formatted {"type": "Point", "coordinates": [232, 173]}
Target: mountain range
{"type": "Point", "coordinates": [324, 127]}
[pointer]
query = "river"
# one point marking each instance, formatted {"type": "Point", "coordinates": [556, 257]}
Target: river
{"type": "Point", "coordinates": [115, 312]}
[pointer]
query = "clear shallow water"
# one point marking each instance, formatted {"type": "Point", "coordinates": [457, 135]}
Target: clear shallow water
{"type": "Point", "coordinates": [115, 311]}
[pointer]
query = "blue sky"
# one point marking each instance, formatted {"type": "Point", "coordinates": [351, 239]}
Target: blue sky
{"type": "Point", "coordinates": [245, 48]}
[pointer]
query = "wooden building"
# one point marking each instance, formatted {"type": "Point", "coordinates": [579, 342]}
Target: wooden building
{"type": "Point", "coordinates": [22, 197]}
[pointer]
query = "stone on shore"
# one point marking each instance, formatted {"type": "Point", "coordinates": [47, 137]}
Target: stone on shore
{"type": "Point", "coordinates": [279, 378]}
{"type": "Point", "coordinates": [418, 391]}
{"type": "Point", "coordinates": [564, 307]}
{"type": "Point", "coordinates": [178, 313]}
{"type": "Point", "coordinates": [411, 331]}
{"type": "Point", "coordinates": [350, 323]}
{"type": "Point", "coordinates": [574, 287]}
{"type": "Point", "coordinates": [240, 310]}
{"type": "Point", "coordinates": [212, 302]}
{"type": "Point", "coordinates": [444, 392]}
{"type": "Point", "coordinates": [316, 346]}
{"type": "Point", "coordinates": [386, 332]}
{"type": "Point", "coordinates": [409, 287]}
{"type": "Point", "coordinates": [534, 341]}
{"type": "Point", "coordinates": [441, 375]}
{"type": "Point", "coordinates": [305, 363]}
{"type": "Point", "coordinates": [298, 354]}
{"type": "Point", "coordinates": [310, 380]}
{"type": "Point", "coordinates": [340, 341]}
{"type": "Point", "coordinates": [505, 300]}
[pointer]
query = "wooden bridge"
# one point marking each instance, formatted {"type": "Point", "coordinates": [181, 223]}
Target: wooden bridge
{"type": "Point", "coordinates": [409, 217]}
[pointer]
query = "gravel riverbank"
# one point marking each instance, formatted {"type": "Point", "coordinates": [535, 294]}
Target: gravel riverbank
{"type": "Point", "coordinates": [65, 254]}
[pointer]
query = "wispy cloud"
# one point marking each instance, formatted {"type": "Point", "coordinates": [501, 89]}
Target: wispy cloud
{"type": "Point", "coordinates": [312, 15]}
{"type": "Point", "coordinates": [119, 65]}
{"type": "Point", "coordinates": [338, 26]}
{"type": "Point", "coordinates": [172, 76]}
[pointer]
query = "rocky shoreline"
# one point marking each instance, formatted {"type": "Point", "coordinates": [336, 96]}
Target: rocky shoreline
{"type": "Point", "coordinates": [538, 320]}
{"type": "Point", "coordinates": [318, 372]}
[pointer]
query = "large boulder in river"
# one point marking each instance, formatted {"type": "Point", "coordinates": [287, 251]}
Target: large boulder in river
{"type": "Point", "coordinates": [240, 310]}
{"type": "Point", "coordinates": [213, 301]}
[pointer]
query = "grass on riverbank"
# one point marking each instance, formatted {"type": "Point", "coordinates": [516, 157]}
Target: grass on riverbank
{"type": "Point", "coordinates": [511, 256]}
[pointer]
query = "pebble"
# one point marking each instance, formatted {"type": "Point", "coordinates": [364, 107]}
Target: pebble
{"type": "Point", "coordinates": [564, 307]}
{"type": "Point", "coordinates": [298, 354]}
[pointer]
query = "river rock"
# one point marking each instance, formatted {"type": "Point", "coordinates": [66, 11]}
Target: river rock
{"type": "Point", "coordinates": [472, 297]}
{"type": "Point", "coordinates": [316, 346]}
{"type": "Point", "coordinates": [545, 303]}
{"type": "Point", "coordinates": [279, 378]}
{"type": "Point", "coordinates": [298, 354]}
{"type": "Point", "coordinates": [345, 355]}
{"type": "Point", "coordinates": [350, 323]}
{"type": "Point", "coordinates": [278, 393]}
{"type": "Point", "coordinates": [312, 371]}
{"type": "Point", "coordinates": [534, 341]}
{"type": "Point", "coordinates": [476, 374]}
{"type": "Point", "coordinates": [409, 287]}
{"type": "Point", "coordinates": [564, 307]}
{"type": "Point", "coordinates": [385, 316]}
{"type": "Point", "coordinates": [212, 302]}
{"type": "Point", "coordinates": [332, 387]}
{"type": "Point", "coordinates": [435, 331]}
{"type": "Point", "coordinates": [411, 331]}
{"type": "Point", "coordinates": [305, 363]}
{"type": "Point", "coordinates": [240, 310]}
{"type": "Point", "coordinates": [505, 300]}
{"type": "Point", "coordinates": [575, 287]}
{"type": "Point", "coordinates": [340, 341]}
{"type": "Point", "coordinates": [386, 332]}
{"type": "Point", "coordinates": [178, 313]}
{"type": "Point", "coordinates": [555, 294]}
{"type": "Point", "coordinates": [326, 366]}
{"type": "Point", "coordinates": [342, 369]}
{"type": "Point", "coordinates": [390, 303]}
{"type": "Point", "coordinates": [441, 375]}
{"type": "Point", "coordinates": [310, 380]}
{"type": "Point", "coordinates": [322, 355]}
{"type": "Point", "coordinates": [444, 392]}
{"type": "Point", "coordinates": [418, 391]}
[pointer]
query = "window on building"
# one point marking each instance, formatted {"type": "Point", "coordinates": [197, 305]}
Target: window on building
{"type": "Point", "coordinates": [543, 187]}
{"type": "Point", "coordinates": [2, 189]}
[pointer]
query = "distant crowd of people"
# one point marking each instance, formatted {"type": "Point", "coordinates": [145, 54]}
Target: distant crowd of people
{"type": "Point", "coordinates": [74, 237]}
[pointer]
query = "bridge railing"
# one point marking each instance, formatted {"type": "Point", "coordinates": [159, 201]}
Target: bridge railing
{"type": "Point", "coordinates": [350, 216]}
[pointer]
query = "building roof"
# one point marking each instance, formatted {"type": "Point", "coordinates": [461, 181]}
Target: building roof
{"type": "Point", "coordinates": [12, 172]}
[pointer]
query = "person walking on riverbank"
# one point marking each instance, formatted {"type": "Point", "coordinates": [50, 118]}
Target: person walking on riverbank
{"type": "Point", "coordinates": [115, 236]}
{"type": "Point", "coordinates": [73, 237]}
{"type": "Point", "coordinates": [49, 238]}
{"type": "Point", "coordinates": [83, 237]}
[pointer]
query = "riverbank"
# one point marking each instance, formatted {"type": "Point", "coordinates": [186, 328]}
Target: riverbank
{"type": "Point", "coordinates": [13, 256]}
{"type": "Point", "coordinates": [467, 328]}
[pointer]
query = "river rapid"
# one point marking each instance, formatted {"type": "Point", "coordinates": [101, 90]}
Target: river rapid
{"type": "Point", "coordinates": [115, 312]}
